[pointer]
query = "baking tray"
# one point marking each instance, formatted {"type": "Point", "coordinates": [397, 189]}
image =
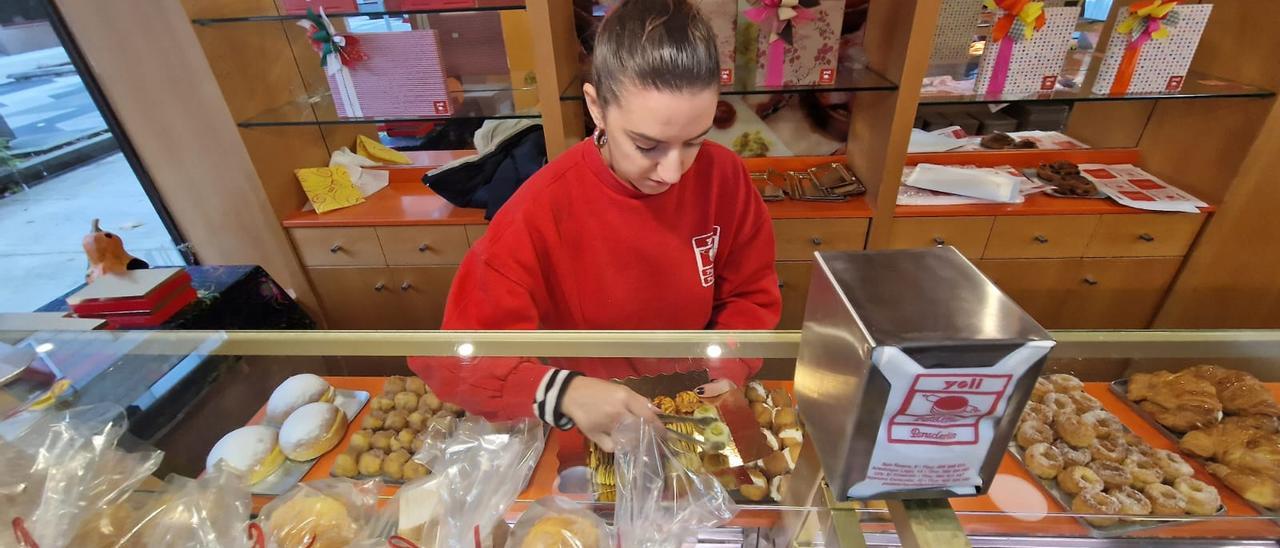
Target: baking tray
{"type": "Point", "coordinates": [1120, 387]}
{"type": "Point", "coordinates": [292, 472]}
{"type": "Point", "coordinates": [1119, 529]}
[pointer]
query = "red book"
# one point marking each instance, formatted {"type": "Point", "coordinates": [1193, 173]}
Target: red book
{"type": "Point", "coordinates": [136, 291]}
{"type": "Point", "coordinates": [155, 318]}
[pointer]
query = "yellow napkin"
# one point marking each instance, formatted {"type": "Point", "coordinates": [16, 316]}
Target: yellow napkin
{"type": "Point", "coordinates": [328, 188]}
{"type": "Point", "coordinates": [374, 150]}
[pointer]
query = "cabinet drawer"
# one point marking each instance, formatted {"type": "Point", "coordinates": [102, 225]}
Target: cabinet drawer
{"type": "Point", "coordinates": [793, 283]}
{"type": "Point", "coordinates": [337, 246]}
{"type": "Point", "coordinates": [422, 291]}
{"type": "Point", "coordinates": [358, 298]}
{"type": "Point", "coordinates": [797, 239]}
{"type": "Point", "coordinates": [1145, 235]}
{"type": "Point", "coordinates": [1039, 286]}
{"type": "Point", "coordinates": [967, 234]}
{"type": "Point", "coordinates": [423, 245]}
{"type": "Point", "coordinates": [475, 232]}
{"type": "Point", "coordinates": [1117, 293]}
{"type": "Point", "coordinates": [1037, 237]}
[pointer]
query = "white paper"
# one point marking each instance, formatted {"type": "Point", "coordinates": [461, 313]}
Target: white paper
{"type": "Point", "coordinates": [984, 184]}
{"type": "Point", "coordinates": [367, 180]}
{"type": "Point", "coordinates": [924, 141]}
{"type": "Point", "coordinates": [939, 424]}
{"type": "Point", "coordinates": [909, 195]}
{"type": "Point", "coordinates": [1131, 186]}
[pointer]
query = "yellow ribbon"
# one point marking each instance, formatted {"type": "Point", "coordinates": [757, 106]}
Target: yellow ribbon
{"type": "Point", "coordinates": [1153, 8]}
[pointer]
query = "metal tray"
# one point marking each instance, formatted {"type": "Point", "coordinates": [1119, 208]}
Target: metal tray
{"type": "Point", "coordinates": [292, 472]}
{"type": "Point", "coordinates": [1119, 529]}
{"type": "Point", "coordinates": [1120, 387]}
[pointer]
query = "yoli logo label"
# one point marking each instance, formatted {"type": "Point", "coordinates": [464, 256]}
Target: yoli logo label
{"type": "Point", "coordinates": [726, 76]}
{"type": "Point", "coordinates": [1047, 83]}
{"type": "Point", "coordinates": [827, 76]}
{"type": "Point", "coordinates": [1174, 83]}
{"type": "Point", "coordinates": [441, 107]}
{"type": "Point", "coordinates": [967, 384]}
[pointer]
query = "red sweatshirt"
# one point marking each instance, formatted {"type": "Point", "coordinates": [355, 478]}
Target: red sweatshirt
{"type": "Point", "coordinates": [578, 248]}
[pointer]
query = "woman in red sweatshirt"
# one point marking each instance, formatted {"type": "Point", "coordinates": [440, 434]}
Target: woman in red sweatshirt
{"type": "Point", "coordinates": [647, 225]}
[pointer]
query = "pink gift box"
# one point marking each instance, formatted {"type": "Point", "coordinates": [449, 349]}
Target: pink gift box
{"type": "Point", "coordinates": [298, 7]}
{"type": "Point", "coordinates": [811, 56]}
{"type": "Point", "coordinates": [403, 76]}
{"type": "Point", "coordinates": [414, 5]}
{"type": "Point", "coordinates": [723, 16]}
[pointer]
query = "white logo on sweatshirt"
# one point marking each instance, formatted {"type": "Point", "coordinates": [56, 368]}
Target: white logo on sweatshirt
{"type": "Point", "coordinates": [704, 248]}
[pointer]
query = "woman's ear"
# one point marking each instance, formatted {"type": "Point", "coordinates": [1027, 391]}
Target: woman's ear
{"type": "Point", "coordinates": [593, 104]}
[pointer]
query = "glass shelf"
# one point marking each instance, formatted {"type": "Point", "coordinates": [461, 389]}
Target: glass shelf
{"type": "Point", "coordinates": [483, 104]}
{"type": "Point", "coordinates": [1196, 86]}
{"type": "Point", "coordinates": [861, 79]}
{"type": "Point", "coordinates": [365, 10]}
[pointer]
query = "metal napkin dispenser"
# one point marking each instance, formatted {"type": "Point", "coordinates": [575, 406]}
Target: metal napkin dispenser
{"type": "Point", "coordinates": [912, 371]}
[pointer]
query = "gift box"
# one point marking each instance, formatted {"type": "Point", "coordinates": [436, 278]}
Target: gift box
{"type": "Point", "coordinates": [1151, 47]}
{"type": "Point", "coordinates": [957, 22]}
{"type": "Point", "coordinates": [723, 16]}
{"type": "Point", "coordinates": [792, 42]}
{"type": "Point", "coordinates": [401, 75]}
{"type": "Point", "coordinates": [298, 7]}
{"type": "Point", "coordinates": [418, 5]}
{"type": "Point", "coordinates": [1026, 50]}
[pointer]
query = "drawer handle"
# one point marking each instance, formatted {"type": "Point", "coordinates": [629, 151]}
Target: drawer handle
{"type": "Point", "coordinates": [379, 286]}
{"type": "Point", "coordinates": [423, 248]}
{"type": "Point", "coordinates": [1090, 280]}
{"type": "Point", "coordinates": [939, 241]}
{"type": "Point", "coordinates": [335, 248]}
{"type": "Point", "coordinates": [1041, 239]}
{"type": "Point", "coordinates": [816, 240]}
{"type": "Point", "coordinates": [405, 286]}
{"type": "Point", "coordinates": [781, 284]}
{"type": "Point", "coordinates": [1146, 237]}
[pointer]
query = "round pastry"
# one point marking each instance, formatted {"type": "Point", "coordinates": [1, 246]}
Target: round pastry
{"type": "Point", "coordinates": [562, 531]}
{"type": "Point", "coordinates": [756, 392]}
{"type": "Point", "coordinates": [777, 464]}
{"type": "Point", "coordinates": [771, 439]}
{"type": "Point", "coordinates": [383, 403]}
{"type": "Point", "coordinates": [359, 441]}
{"type": "Point", "coordinates": [778, 487]}
{"type": "Point", "coordinates": [1037, 411]}
{"type": "Point", "coordinates": [1072, 456]}
{"type": "Point", "coordinates": [1092, 501]}
{"type": "Point", "coordinates": [1171, 464]}
{"type": "Point", "coordinates": [784, 418]}
{"type": "Point", "coordinates": [393, 464]}
{"type": "Point", "coordinates": [382, 439]}
{"type": "Point", "coordinates": [405, 437]}
{"type": "Point", "coordinates": [312, 430]}
{"type": "Point", "coordinates": [1042, 388]}
{"type": "Point", "coordinates": [1144, 470]}
{"type": "Point", "coordinates": [418, 420]}
{"type": "Point", "coordinates": [345, 465]}
{"type": "Point", "coordinates": [1105, 424]}
{"type": "Point", "coordinates": [1043, 460]}
{"type": "Point", "coordinates": [714, 462]}
{"type": "Point", "coordinates": [716, 434]}
{"type": "Point", "coordinates": [374, 420]}
{"type": "Point", "coordinates": [1202, 499]}
{"type": "Point", "coordinates": [414, 470]}
{"type": "Point", "coordinates": [1132, 503]}
{"type": "Point", "coordinates": [393, 385]}
{"type": "Point", "coordinates": [791, 437]}
{"type": "Point", "coordinates": [1113, 475]}
{"type": "Point", "coordinates": [758, 489]}
{"type": "Point", "coordinates": [431, 401]}
{"type": "Point", "coordinates": [1073, 430]}
{"type": "Point", "coordinates": [996, 141]}
{"type": "Point", "coordinates": [406, 401]}
{"type": "Point", "coordinates": [764, 414]}
{"type": "Point", "coordinates": [1075, 479]}
{"type": "Point", "coordinates": [312, 520]}
{"type": "Point", "coordinates": [1061, 404]}
{"type": "Point", "coordinates": [295, 392]}
{"type": "Point", "coordinates": [251, 451]}
{"type": "Point", "coordinates": [1065, 384]}
{"type": "Point", "coordinates": [705, 410]}
{"type": "Point", "coordinates": [686, 402]}
{"type": "Point", "coordinates": [1032, 432]}
{"type": "Point", "coordinates": [1165, 500]}
{"type": "Point", "coordinates": [370, 462]}
{"type": "Point", "coordinates": [396, 420]}
{"type": "Point", "coordinates": [415, 385]}
{"type": "Point", "coordinates": [665, 405]}
{"type": "Point", "coordinates": [1108, 450]}
{"type": "Point", "coordinates": [779, 397]}
{"type": "Point", "coordinates": [1084, 402]}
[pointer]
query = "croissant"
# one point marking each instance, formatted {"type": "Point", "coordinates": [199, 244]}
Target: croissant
{"type": "Point", "coordinates": [1181, 402]}
{"type": "Point", "coordinates": [1264, 423]}
{"type": "Point", "coordinates": [1254, 488]}
{"type": "Point", "coordinates": [1142, 385]}
{"type": "Point", "coordinates": [1239, 392]}
{"type": "Point", "coordinates": [1259, 456]}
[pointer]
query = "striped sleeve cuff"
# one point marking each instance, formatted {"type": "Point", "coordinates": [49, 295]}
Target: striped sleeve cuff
{"type": "Point", "coordinates": [546, 402]}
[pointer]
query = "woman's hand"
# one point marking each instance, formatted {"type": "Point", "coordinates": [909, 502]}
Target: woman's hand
{"type": "Point", "coordinates": [597, 406]}
{"type": "Point", "coordinates": [714, 388]}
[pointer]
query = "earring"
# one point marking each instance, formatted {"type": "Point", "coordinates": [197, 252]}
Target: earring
{"type": "Point", "coordinates": [599, 138]}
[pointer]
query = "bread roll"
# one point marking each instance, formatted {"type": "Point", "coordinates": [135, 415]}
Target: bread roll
{"type": "Point", "coordinates": [312, 430]}
{"type": "Point", "coordinates": [251, 451]}
{"type": "Point", "coordinates": [562, 531]}
{"type": "Point", "coordinates": [295, 392]}
{"type": "Point", "coordinates": [312, 520]}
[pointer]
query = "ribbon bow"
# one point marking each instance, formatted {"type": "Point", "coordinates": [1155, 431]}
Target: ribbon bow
{"type": "Point", "coordinates": [1148, 19]}
{"type": "Point", "coordinates": [336, 50]}
{"type": "Point", "coordinates": [779, 16]}
{"type": "Point", "coordinates": [1019, 19]}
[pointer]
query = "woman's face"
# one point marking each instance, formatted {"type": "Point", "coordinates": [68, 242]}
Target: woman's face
{"type": "Point", "coordinates": [654, 135]}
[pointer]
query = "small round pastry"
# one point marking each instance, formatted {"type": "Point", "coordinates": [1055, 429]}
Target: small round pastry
{"type": "Point", "coordinates": [779, 397]}
{"type": "Point", "coordinates": [756, 392]}
{"type": "Point", "coordinates": [1074, 479]}
{"type": "Point", "coordinates": [1144, 470]}
{"type": "Point", "coordinates": [1202, 499]}
{"type": "Point", "coordinates": [414, 470]}
{"type": "Point", "coordinates": [394, 385]}
{"type": "Point", "coordinates": [419, 440]}
{"type": "Point", "coordinates": [1072, 456]}
{"type": "Point", "coordinates": [1042, 388]}
{"type": "Point", "coordinates": [1105, 424]}
{"type": "Point", "coordinates": [1132, 503]}
{"type": "Point", "coordinates": [370, 462]}
{"type": "Point", "coordinates": [316, 521]}
{"type": "Point", "coordinates": [383, 403]}
{"type": "Point", "coordinates": [374, 420]}
{"type": "Point", "coordinates": [777, 464]}
{"type": "Point", "coordinates": [452, 409]}
{"type": "Point", "coordinates": [778, 487]}
{"type": "Point", "coordinates": [382, 440]}
{"type": "Point", "coordinates": [295, 392]}
{"type": "Point", "coordinates": [396, 420]}
{"type": "Point", "coordinates": [416, 385]}
{"type": "Point", "coordinates": [1065, 384]}
{"type": "Point", "coordinates": [393, 465]}
{"type": "Point", "coordinates": [764, 414]}
{"type": "Point", "coordinates": [1165, 500]}
{"type": "Point", "coordinates": [771, 439]}
{"type": "Point", "coordinates": [251, 451]}
{"type": "Point", "coordinates": [1061, 404]}
{"type": "Point", "coordinates": [405, 437]}
{"type": "Point", "coordinates": [1043, 460]}
{"type": "Point", "coordinates": [714, 462]}
{"type": "Point", "coordinates": [1096, 502]}
{"type": "Point", "coordinates": [793, 453]}
{"type": "Point", "coordinates": [791, 437]}
{"type": "Point", "coordinates": [1113, 475]}
{"type": "Point", "coordinates": [406, 401]}
{"type": "Point", "coordinates": [1084, 402]}
{"type": "Point", "coordinates": [784, 418]}
{"type": "Point", "coordinates": [418, 420]}
{"type": "Point", "coordinates": [433, 402]}
{"type": "Point", "coordinates": [758, 489]}
{"type": "Point", "coordinates": [359, 441]}
{"type": "Point", "coordinates": [665, 405]}
{"type": "Point", "coordinates": [442, 422]}
{"type": "Point", "coordinates": [716, 434]}
{"type": "Point", "coordinates": [1031, 432]}
{"type": "Point", "coordinates": [1073, 430]}
{"type": "Point", "coordinates": [1171, 464]}
{"type": "Point", "coordinates": [705, 410]}
{"type": "Point", "coordinates": [312, 430]}
{"type": "Point", "coordinates": [345, 466]}
{"type": "Point", "coordinates": [1038, 412]}
{"type": "Point", "coordinates": [686, 402]}
{"type": "Point", "coordinates": [1108, 450]}
{"type": "Point", "coordinates": [563, 531]}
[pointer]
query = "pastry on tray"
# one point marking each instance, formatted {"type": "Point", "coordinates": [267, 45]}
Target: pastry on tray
{"type": "Point", "coordinates": [407, 416]}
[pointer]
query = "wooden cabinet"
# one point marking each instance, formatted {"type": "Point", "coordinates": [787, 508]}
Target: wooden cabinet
{"type": "Point", "coordinates": [423, 245]}
{"type": "Point", "coordinates": [1086, 293]}
{"type": "Point", "coordinates": [422, 292]}
{"type": "Point", "coordinates": [967, 234]}
{"type": "Point", "coordinates": [474, 232]}
{"type": "Point", "coordinates": [394, 298]}
{"type": "Point", "coordinates": [1039, 236]}
{"type": "Point", "coordinates": [1144, 235]}
{"type": "Point", "coordinates": [354, 246]}
{"type": "Point", "coordinates": [797, 239]}
{"type": "Point", "coordinates": [1038, 286]}
{"type": "Point", "coordinates": [793, 283]}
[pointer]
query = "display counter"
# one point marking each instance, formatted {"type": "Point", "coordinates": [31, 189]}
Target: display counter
{"type": "Point", "coordinates": [1019, 510]}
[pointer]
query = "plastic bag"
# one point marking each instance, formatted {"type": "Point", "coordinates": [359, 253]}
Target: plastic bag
{"type": "Point", "coordinates": [662, 501]}
{"type": "Point", "coordinates": [211, 511]}
{"type": "Point", "coordinates": [75, 474]}
{"type": "Point", "coordinates": [557, 522]}
{"type": "Point", "coordinates": [328, 513]}
{"type": "Point", "coordinates": [483, 467]}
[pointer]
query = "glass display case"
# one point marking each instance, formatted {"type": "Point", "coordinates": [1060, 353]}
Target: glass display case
{"type": "Point", "coordinates": [182, 391]}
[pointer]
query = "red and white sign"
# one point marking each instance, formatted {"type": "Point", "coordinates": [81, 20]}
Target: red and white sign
{"type": "Point", "coordinates": [946, 409]}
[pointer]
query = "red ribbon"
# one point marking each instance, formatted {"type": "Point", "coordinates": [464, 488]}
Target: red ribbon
{"type": "Point", "coordinates": [397, 541]}
{"type": "Point", "coordinates": [256, 537]}
{"type": "Point", "coordinates": [24, 537]}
